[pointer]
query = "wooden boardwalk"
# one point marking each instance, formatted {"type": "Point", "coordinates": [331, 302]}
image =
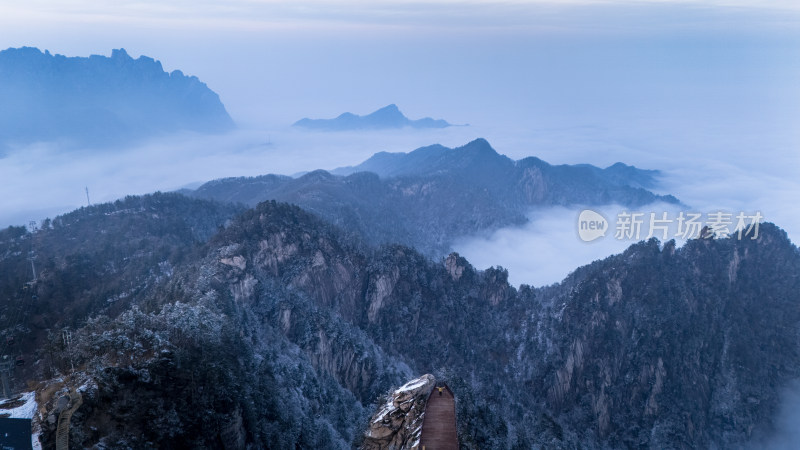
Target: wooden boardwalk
{"type": "Point", "coordinates": [439, 424]}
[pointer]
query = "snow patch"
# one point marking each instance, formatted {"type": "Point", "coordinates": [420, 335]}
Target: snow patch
{"type": "Point", "coordinates": [387, 408]}
{"type": "Point", "coordinates": [413, 384]}
{"type": "Point", "coordinates": [25, 411]}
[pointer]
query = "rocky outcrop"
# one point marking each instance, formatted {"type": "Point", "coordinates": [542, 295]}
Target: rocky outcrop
{"type": "Point", "coordinates": [397, 425]}
{"type": "Point", "coordinates": [455, 266]}
{"type": "Point", "coordinates": [58, 400]}
{"type": "Point", "coordinates": [380, 291]}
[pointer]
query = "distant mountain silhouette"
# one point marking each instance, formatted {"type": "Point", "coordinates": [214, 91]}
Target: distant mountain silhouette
{"type": "Point", "coordinates": [478, 158]}
{"type": "Point", "coordinates": [384, 118]}
{"type": "Point", "coordinates": [429, 197]}
{"type": "Point", "coordinates": [99, 100]}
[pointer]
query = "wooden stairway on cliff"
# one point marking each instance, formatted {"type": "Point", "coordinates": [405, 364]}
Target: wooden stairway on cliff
{"type": "Point", "coordinates": [62, 432]}
{"type": "Point", "coordinates": [439, 424]}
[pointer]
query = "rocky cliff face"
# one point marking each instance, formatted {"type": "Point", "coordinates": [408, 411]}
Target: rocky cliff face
{"type": "Point", "coordinates": [397, 425]}
{"type": "Point", "coordinates": [282, 331]}
{"type": "Point", "coordinates": [568, 348]}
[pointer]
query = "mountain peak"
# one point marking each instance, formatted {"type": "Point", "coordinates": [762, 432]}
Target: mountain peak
{"type": "Point", "coordinates": [119, 53]}
{"type": "Point", "coordinates": [386, 117]}
{"type": "Point", "coordinates": [479, 144]}
{"type": "Point", "coordinates": [389, 113]}
{"type": "Point", "coordinates": [476, 155]}
{"type": "Point", "coordinates": [477, 151]}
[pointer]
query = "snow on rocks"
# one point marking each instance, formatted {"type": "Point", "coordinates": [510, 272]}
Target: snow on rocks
{"type": "Point", "coordinates": [398, 423]}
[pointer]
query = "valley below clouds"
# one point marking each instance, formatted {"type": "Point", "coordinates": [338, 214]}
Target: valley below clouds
{"type": "Point", "coordinates": [43, 180]}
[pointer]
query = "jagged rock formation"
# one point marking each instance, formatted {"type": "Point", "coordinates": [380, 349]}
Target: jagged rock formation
{"type": "Point", "coordinates": [99, 100]}
{"type": "Point", "coordinates": [281, 331]}
{"type": "Point", "coordinates": [384, 118]}
{"type": "Point", "coordinates": [398, 423]}
{"type": "Point", "coordinates": [436, 194]}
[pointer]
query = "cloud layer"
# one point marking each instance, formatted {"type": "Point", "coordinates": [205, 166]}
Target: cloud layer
{"type": "Point", "coordinates": [706, 92]}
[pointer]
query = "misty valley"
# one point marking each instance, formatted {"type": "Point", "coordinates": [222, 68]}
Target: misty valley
{"type": "Point", "coordinates": [185, 279]}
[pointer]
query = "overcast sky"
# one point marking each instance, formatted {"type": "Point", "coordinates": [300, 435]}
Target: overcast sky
{"type": "Point", "coordinates": [474, 61]}
{"type": "Point", "coordinates": [706, 91]}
